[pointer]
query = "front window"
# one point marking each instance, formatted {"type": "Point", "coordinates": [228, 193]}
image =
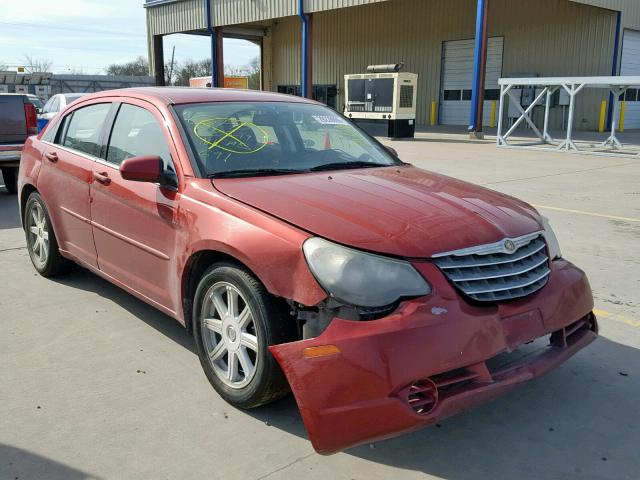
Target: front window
{"type": "Point", "coordinates": [136, 133]}
{"type": "Point", "coordinates": [245, 139]}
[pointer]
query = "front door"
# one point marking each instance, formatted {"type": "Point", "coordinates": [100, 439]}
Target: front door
{"type": "Point", "coordinates": [66, 174]}
{"type": "Point", "coordinates": [135, 223]}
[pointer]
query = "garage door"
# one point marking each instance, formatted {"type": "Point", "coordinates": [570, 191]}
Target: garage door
{"type": "Point", "coordinates": [457, 77]}
{"type": "Point", "coordinates": [631, 66]}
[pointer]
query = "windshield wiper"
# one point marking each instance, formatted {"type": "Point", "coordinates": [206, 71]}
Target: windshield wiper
{"type": "Point", "coordinates": [346, 166]}
{"type": "Point", "coordinates": [255, 172]}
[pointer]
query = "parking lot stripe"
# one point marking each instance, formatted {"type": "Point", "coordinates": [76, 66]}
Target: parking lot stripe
{"type": "Point", "coordinates": [617, 317]}
{"type": "Point", "coordinates": [592, 214]}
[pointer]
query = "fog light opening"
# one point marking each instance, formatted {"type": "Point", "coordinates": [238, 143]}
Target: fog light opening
{"type": "Point", "coordinates": [422, 396]}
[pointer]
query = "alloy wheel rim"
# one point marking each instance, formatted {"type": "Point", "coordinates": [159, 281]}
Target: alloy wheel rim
{"type": "Point", "coordinates": [229, 335]}
{"type": "Point", "coordinates": [38, 234]}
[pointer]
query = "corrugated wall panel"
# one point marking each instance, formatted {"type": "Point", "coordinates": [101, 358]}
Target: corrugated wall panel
{"type": "Point", "coordinates": [630, 9]}
{"type": "Point", "coordinates": [183, 16]}
{"type": "Point", "coordinates": [543, 37]}
{"type": "Point", "coordinates": [321, 5]}
{"type": "Point", "coordinates": [187, 15]}
{"type": "Point", "coordinates": [231, 12]}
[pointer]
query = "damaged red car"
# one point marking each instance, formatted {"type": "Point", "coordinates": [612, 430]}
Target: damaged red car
{"type": "Point", "coordinates": [303, 255]}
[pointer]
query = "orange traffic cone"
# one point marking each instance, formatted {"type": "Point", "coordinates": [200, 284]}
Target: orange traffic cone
{"type": "Point", "coordinates": [327, 141]}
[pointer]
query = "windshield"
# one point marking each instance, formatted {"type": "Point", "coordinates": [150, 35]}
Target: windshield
{"type": "Point", "coordinates": [245, 139]}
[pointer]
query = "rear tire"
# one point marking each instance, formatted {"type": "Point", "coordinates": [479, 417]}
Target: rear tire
{"type": "Point", "coordinates": [10, 176]}
{"type": "Point", "coordinates": [42, 244]}
{"type": "Point", "coordinates": [233, 342]}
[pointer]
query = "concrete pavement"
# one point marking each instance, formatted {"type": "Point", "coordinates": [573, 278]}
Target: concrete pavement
{"type": "Point", "coordinates": [96, 384]}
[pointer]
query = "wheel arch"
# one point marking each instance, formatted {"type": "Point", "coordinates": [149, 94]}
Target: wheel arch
{"type": "Point", "coordinates": [26, 191]}
{"type": "Point", "coordinates": [193, 270]}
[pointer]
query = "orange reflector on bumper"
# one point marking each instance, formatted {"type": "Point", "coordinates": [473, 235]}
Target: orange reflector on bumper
{"type": "Point", "coordinates": [321, 351]}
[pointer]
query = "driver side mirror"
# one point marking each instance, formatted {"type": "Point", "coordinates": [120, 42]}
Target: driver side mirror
{"type": "Point", "coordinates": [147, 168]}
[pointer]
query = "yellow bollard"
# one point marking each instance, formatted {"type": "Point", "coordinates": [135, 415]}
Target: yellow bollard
{"type": "Point", "coordinates": [603, 115]}
{"type": "Point", "coordinates": [434, 113]}
{"type": "Point", "coordinates": [623, 108]}
{"type": "Point", "coordinates": [494, 106]}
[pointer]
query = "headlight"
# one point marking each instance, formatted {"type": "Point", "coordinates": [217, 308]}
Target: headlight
{"type": "Point", "coordinates": [552, 241]}
{"type": "Point", "coordinates": [361, 279]}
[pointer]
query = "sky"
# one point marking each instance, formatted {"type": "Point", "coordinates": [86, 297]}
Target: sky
{"type": "Point", "coordinates": [89, 35]}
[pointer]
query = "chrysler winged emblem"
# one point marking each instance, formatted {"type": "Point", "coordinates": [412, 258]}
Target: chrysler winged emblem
{"type": "Point", "coordinates": [509, 246]}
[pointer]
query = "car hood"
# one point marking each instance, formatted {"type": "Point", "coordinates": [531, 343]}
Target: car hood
{"type": "Point", "coordinates": [403, 211]}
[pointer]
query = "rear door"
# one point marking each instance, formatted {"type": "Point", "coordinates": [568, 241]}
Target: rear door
{"type": "Point", "coordinates": [67, 169]}
{"type": "Point", "coordinates": [135, 224]}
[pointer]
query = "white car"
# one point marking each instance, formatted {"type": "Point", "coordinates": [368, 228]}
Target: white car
{"type": "Point", "coordinates": [58, 103]}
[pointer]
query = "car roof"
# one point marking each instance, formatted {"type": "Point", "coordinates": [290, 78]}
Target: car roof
{"type": "Point", "coordinates": [184, 95]}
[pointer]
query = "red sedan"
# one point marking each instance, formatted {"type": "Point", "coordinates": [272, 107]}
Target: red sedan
{"type": "Point", "coordinates": [303, 255]}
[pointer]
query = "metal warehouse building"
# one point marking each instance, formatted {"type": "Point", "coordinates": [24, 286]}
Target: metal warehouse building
{"type": "Point", "coordinates": [314, 43]}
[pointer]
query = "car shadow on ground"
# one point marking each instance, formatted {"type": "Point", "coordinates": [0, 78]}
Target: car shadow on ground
{"type": "Point", "coordinates": [83, 279]}
{"type": "Point", "coordinates": [16, 463]}
{"type": "Point", "coordinates": [579, 421]}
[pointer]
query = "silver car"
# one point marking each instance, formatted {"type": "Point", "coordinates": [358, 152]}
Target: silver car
{"type": "Point", "coordinates": [58, 103]}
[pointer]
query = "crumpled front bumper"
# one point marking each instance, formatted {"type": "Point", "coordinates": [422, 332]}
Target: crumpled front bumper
{"type": "Point", "coordinates": [430, 359]}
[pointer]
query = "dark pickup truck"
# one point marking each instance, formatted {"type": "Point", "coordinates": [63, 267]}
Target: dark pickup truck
{"type": "Point", "coordinates": [18, 120]}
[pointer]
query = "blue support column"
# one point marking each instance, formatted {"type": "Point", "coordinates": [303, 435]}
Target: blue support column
{"type": "Point", "coordinates": [305, 47]}
{"type": "Point", "coordinates": [479, 64]}
{"type": "Point", "coordinates": [214, 44]}
{"type": "Point", "coordinates": [614, 69]}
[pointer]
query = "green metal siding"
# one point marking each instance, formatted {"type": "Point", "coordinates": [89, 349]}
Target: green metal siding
{"type": "Point", "coordinates": [543, 37]}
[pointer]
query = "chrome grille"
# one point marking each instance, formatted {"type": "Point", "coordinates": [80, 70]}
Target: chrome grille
{"type": "Point", "coordinates": [511, 268]}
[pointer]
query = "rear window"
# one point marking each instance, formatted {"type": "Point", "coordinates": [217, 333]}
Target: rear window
{"type": "Point", "coordinates": [85, 127]}
{"type": "Point", "coordinates": [36, 102]}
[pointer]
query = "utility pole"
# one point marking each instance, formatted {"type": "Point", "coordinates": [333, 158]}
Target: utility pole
{"type": "Point", "coordinates": [173, 54]}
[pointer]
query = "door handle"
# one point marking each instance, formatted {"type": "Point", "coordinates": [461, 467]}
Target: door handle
{"type": "Point", "coordinates": [51, 156]}
{"type": "Point", "coordinates": [103, 177]}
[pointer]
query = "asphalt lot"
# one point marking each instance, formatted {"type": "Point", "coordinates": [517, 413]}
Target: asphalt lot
{"type": "Point", "coordinates": [96, 384]}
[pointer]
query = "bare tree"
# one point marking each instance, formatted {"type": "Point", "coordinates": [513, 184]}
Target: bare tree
{"type": "Point", "coordinates": [255, 68]}
{"type": "Point", "coordinates": [138, 68]}
{"type": "Point", "coordinates": [252, 71]}
{"type": "Point", "coordinates": [190, 69]}
{"type": "Point", "coordinates": [202, 68]}
{"type": "Point", "coordinates": [33, 64]}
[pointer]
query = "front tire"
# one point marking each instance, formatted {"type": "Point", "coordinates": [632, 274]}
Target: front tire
{"type": "Point", "coordinates": [10, 177]}
{"type": "Point", "coordinates": [42, 244]}
{"type": "Point", "coordinates": [235, 320]}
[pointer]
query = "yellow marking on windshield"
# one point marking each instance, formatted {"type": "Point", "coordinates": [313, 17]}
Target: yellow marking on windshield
{"type": "Point", "coordinates": [230, 135]}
